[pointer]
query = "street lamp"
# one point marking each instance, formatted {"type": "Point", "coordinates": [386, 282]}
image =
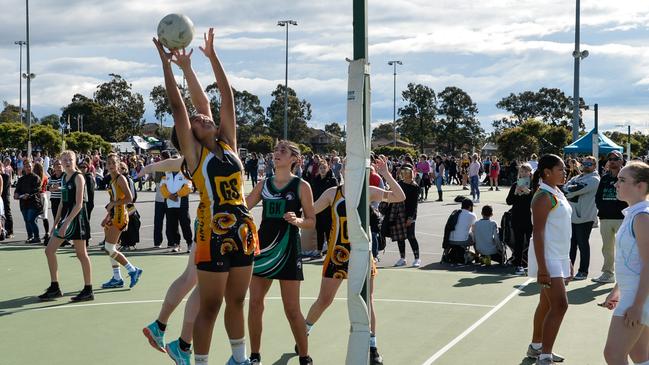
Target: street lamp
{"type": "Point", "coordinates": [286, 23]}
{"type": "Point", "coordinates": [578, 56]}
{"type": "Point", "coordinates": [628, 139]}
{"type": "Point", "coordinates": [29, 76]}
{"type": "Point", "coordinates": [394, 99]}
{"type": "Point", "coordinates": [20, 79]}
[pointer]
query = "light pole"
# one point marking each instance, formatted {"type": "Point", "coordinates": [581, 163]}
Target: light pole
{"type": "Point", "coordinates": [286, 23]}
{"type": "Point", "coordinates": [394, 98]}
{"type": "Point", "coordinates": [29, 76]}
{"type": "Point", "coordinates": [578, 56]}
{"type": "Point", "coordinates": [628, 140]}
{"type": "Point", "coordinates": [20, 79]}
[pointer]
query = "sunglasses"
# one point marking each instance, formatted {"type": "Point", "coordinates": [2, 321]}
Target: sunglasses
{"type": "Point", "coordinates": [588, 164]}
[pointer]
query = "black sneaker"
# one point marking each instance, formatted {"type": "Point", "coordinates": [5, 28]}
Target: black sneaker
{"type": "Point", "coordinates": [375, 358]}
{"type": "Point", "coordinates": [83, 296]}
{"type": "Point", "coordinates": [51, 294]}
{"type": "Point", "coordinates": [34, 240]}
{"type": "Point", "coordinates": [306, 360]}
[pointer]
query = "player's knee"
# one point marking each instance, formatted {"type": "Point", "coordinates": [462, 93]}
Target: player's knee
{"type": "Point", "coordinates": [613, 355]}
{"type": "Point", "coordinates": [256, 304]}
{"type": "Point", "coordinates": [293, 313]}
{"type": "Point", "coordinates": [110, 249]}
{"type": "Point", "coordinates": [236, 300]}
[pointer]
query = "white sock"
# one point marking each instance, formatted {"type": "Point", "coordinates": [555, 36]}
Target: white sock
{"type": "Point", "coordinates": [309, 326]}
{"type": "Point", "coordinates": [642, 363]}
{"type": "Point", "coordinates": [372, 341]}
{"type": "Point", "coordinates": [200, 359]}
{"type": "Point", "coordinates": [537, 345]}
{"type": "Point", "coordinates": [129, 267]}
{"type": "Point", "coordinates": [117, 274]}
{"type": "Point", "coordinates": [545, 356]}
{"type": "Point", "coordinates": [239, 349]}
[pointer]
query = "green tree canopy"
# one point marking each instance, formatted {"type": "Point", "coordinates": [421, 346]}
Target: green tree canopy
{"type": "Point", "coordinates": [458, 127]}
{"type": "Point", "coordinates": [391, 151]}
{"type": "Point", "coordinates": [85, 142]}
{"type": "Point", "coordinates": [384, 131]}
{"type": "Point", "coordinates": [299, 112]}
{"type": "Point", "coordinates": [47, 138]}
{"type": "Point", "coordinates": [532, 136]}
{"type": "Point", "coordinates": [123, 108]}
{"type": "Point", "coordinates": [52, 120]}
{"type": "Point", "coordinates": [13, 135]}
{"type": "Point", "coordinates": [261, 144]}
{"type": "Point", "coordinates": [158, 97]}
{"type": "Point", "coordinates": [417, 116]}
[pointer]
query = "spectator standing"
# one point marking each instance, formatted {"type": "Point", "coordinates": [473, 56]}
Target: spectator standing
{"type": "Point", "coordinates": [43, 214]}
{"type": "Point", "coordinates": [580, 192]}
{"type": "Point", "coordinates": [269, 166]}
{"type": "Point", "coordinates": [465, 162]}
{"type": "Point", "coordinates": [533, 162]}
{"type": "Point", "coordinates": [6, 188]}
{"type": "Point", "coordinates": [439, 169]}
{"type": "Point", "coordinates": [90, 186]}
{"type": "Point", "coordinates": [609, 211]}
{"type": "Point", "coordinates": [319, 184]}
{"type": "Point", "coordinates": [520, 198]}
{"type": "Point", "coordinates": [175, 188]}
{"type": "Point", "coordinates": [474, 177]}
{"type": "Point", "coordinates": [423, 170]}
{"type": "Point", "coordinates": [407, 220]}
{"type": "Point", "coordinates": [337, 169]}
{"type": "Point", "coordinates": [494, 173]}
{"type": "Point", "coordinates": [28, 191]}
{"type": "Point", "coordinates": [252, 166]}
{"type": "Point", "coordinates": [160, 206]}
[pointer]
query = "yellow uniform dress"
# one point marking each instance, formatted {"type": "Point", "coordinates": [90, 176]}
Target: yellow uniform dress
{"type": "Point", "coordinates": [119, 214]}
{"type": "Point", "coordinates": [226, 235]}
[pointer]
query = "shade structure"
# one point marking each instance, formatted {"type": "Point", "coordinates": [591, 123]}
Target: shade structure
{"type": "Point", "coordinates": [585, 144]}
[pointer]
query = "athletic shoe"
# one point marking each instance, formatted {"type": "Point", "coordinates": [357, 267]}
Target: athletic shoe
{"type": "Point", "coordinates": [34, 240]}
{"type": "Point", "coordinates": [416, 263]}
{"type": "Point", "coordinates": [176, 249]}
{"type": "Point", "coordinates": [497, 189]}
{"type": "Point", "coordinates": [179, 356]}
{"type": "Point", "coordinates": [231, 361]}
{"type": "Point", "coordinates": [546, 361]}
{"type": "Point", "coordinates": [83, 296]}
{"type": "Point", "coordinates": [580, 276]}
{"type": "Point", "coordinates": [51, 294]}
{"type": "Point", "coordinates": [113, 283]}
{"type": "Point", "coordinates": [486, 260]}
{"type": "Point", "coordinates": [375, 358]}
{"type": "Point", "coordinates": [254, 361]}
{"type": "Point", "coordinates": [520, 271]}
{"type": "Point", "coordinates": [605, 278]}
{"type": "Point", "coordinates": [533, 353]}
{"type": "Point", "coordinates": [307, 360]}
{"type": "Point", "coordinates": [400, 262]}
{"type": "Point", "coordinates": [156, 336]}
{"type": "Point", "coordinates": [135, 276]}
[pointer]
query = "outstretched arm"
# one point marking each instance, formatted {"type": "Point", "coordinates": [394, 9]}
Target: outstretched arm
{"type": "Point", "coordinates": [199, 98]}
{"type": "Point", "coordinates": [170, 164]}
{"type": "Point", "coordinates": [188, 143]}
{"type": "Point", "coordinates": [228, 126]}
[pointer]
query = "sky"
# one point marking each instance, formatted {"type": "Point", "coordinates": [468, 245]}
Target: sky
{"type": "Point", "coordinates": [488, 48]}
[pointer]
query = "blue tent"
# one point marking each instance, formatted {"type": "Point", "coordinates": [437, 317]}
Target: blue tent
{"type": "Point", "coordinates": [585, 144]}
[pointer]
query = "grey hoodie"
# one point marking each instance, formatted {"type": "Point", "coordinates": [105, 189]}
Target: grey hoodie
{"type": "Point", "coordinates": [584, 210]}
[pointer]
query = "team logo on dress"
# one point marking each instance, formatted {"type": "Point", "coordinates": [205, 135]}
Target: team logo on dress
{"type": "Point", "coordinates": [290, 196]}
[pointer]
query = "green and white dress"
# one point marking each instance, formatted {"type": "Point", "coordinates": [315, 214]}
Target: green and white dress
{"type": "Point", "coordinates": [279, 240]}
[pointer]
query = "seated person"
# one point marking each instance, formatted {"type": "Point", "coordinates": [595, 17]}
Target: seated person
{"type": "Point", "coordinates": [485, 237]}
{"type": "Point", "coordinates": [460, 236]}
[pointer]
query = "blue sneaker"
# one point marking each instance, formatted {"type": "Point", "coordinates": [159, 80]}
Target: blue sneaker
{"type": "Point", "coordinates": [179, 356]}
{"type": "Point", "coordinates": [113, 283]}
{"type": "Point", "coordinates": [156, 336]}
{"type": "Point", "coordinates": [231, 361]}
{"type": "Point", "coordinates": [135, 276]}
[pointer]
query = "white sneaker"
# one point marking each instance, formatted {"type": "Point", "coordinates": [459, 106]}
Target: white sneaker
{"type": "Point", "coordinates": [416, 263]}
{"type": "Point", "coordinates": [605, 278]}
{"type": "Point", "coordinates": [400, 262]}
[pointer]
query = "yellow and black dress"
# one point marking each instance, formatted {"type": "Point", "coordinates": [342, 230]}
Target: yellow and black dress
{"type": "Point", "coordinates": [336, 263]}
{"type": "Point", "coordinates": [119, 214]}
{"type": "Point", "coordinates": [226, 235]}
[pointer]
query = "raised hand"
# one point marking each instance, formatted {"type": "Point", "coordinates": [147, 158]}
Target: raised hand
{"type": "Point", "coordinates": [182, 58]}
{"type": "Point", "coordinates": [381, 166]}
{"type": "Point", "coordinates": [208, 48]}
{"type": "Point", "coordinates": [165, 56]}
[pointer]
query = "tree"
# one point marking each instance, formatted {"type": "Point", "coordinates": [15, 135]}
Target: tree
{"type": "Point", "coordinates": [158, 97]}
{"type": "Point", "coordinates": [417, 117]}
{"type": "Point", "coordinates": [13, 135]}
{"type": "Point", "coordinates": [52, 120]}
{"type": "Point", "coordinates": [304, 149]}
{"type": "Point", "coordinates": [458, 127]}
{"type": "Point", "coordinates": [10, 113]}
{"type": "Point", "coordinates": [85, 142]}
{"type": "Point", "coordinates": [124, 108]}
{"type": "Point", "coordinates": [639, 142]}
{"type": "Point", "coordinates": [391, 151]}
{"type": "Point", "coordinates": [299, 112]}
{"type": "Point", "coordinates": [248, 112]}
{"type": "Point", "coordinates": [549, 105]}
{"type": "Point", "coordinates": [384, 131]}
{"type": "Point", "coordinates": [47, 138]}
{"type": "Point", "coordinates": [532, 136]}
{"type": "Point", "coordinates": [95, 117]}
{"type": "Point", "coordinates": [335, 129]}
{"type": "Point", "coordinates": [261, 144]}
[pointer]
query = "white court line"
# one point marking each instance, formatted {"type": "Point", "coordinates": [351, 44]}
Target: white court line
{"type": "Point", "coordinates": [462, 335]}
{"type": "Point", "coordinates": [269, 298]}
{"type": "Point", "coordinates": [101, 232]}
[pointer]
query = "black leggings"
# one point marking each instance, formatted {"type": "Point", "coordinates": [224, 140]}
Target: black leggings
{"type": "Point", "coordinates": [522, 234]}
{"type": "Point", "coordinates": [322, 227]}
{"type": "Point", "coordinates": [413, 243]}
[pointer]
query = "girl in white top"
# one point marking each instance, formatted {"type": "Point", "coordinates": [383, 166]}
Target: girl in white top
{"type": "Point", "coordinates": [628, 334]}
{"type": "Point", "coordinates": [548, 256]}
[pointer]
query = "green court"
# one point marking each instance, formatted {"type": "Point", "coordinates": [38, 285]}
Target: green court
{"type": "Point", "coordinates": [436, 314]}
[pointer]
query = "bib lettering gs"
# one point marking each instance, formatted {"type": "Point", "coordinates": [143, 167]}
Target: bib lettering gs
{"type": "Point", "coordinates": [228, 189]}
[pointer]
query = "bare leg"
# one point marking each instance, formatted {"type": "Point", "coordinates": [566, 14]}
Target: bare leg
{"type": "Point", "coordinates": [211, 287]}
{"type": "Point", "coordinates": [291, 299]}
{"type": "Point", "coordinates": [178, 290]}
{"type": "Point", "coordinates": [328, 289]}
{"type": "Point", "coordinates": [191, 311]}
{"type": "Point", "coordinates": [542, 310]}
{"type": "Point", "coordinates": [558, 307]}
{"type": "Point", "coordinates": [235, 296]}
{"type": "Point", "coordinates": [50, 254]}
{"type": "Point", "coordinates": [82, 255]}
{"type": "Point", "coordinates": [258, 289]}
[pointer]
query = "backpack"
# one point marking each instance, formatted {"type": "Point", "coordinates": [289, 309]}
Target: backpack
{"type": "Point", "coordinates": [451, 222]}
{"type": "Point", "coordinates": [506, 232]}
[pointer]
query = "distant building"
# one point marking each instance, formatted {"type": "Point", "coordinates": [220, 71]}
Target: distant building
{"type": "Point", "coordinates": [321, 140]}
